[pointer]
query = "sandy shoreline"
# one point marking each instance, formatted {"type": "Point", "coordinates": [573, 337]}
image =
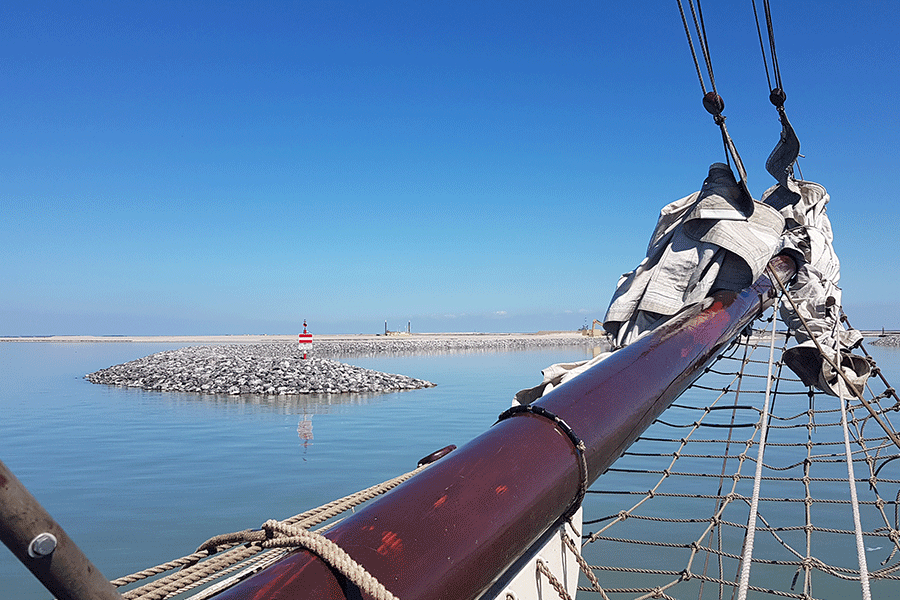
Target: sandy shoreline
{"type": "Point", "coordinates": [262, 339]}
{"type": "Point", "coordinates": [328, 337]}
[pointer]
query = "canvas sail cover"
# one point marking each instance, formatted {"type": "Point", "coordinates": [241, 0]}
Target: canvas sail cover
{"type": "Point", "coordinates": [714, 239]}
{"type": "Point", "coordinates": [720, 239]}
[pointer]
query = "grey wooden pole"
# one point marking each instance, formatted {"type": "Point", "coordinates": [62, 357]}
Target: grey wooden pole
{"type": "Point", "coordinates": [42, 546]}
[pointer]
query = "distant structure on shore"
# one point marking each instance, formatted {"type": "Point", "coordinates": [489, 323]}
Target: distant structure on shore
{"type": "Point", "coordinates": [389, 332]}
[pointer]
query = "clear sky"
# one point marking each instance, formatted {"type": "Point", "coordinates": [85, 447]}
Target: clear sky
{"type": "Point", "coordinates": [235, 167]}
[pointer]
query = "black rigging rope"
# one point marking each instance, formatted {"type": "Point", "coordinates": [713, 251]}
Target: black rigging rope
{"type": "Point", "coordinates": [783, 159]}
{"type": "Point", "coordinates": [712, 101]}
{"type": "Point", "coordinates": [776, 92]}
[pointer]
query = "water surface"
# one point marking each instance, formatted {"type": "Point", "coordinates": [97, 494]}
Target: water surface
{"type": "Point", "coordinates": [137, 478]}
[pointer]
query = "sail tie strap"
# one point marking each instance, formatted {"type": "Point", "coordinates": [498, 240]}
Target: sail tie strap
{"type": "Point", "coordinates": [747, 557]}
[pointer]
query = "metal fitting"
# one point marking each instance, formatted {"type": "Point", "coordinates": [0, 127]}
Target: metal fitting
{"type": "Point", "coordinates": [42, 545]}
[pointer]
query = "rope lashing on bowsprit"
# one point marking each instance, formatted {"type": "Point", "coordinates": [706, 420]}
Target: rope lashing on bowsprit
{"type": "Point", "coordinates": [282, 535]}
{"type": "Point", "coordinates": [249, 551]}
{"type": "Point", "coordinates": [577, 444]}
{"type": "Point", "coordinates": [691, 529]}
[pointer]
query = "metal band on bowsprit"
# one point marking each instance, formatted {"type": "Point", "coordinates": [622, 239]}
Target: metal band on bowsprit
{"type": "Point", "coordinates": [570, 433]}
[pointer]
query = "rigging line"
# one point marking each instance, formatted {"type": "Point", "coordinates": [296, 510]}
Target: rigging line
{"type": "Point", "coordinates": [690, 39]}
{"type": "Point", "coordinates": [762, 45]}
{"type": "Point", "coordinates": [857, 525]}
{"type": "Point", "coordinates": [771, 31]}
{"type": "Point", "coordinates": [704, 44]}
{"type": "Point", "coordinates": [776, 92]}
{"type": "Point", "coordinates": [836, 366]}
{"type": "Point", "coordinates": [725, 457]}
{"type": "Point", "coordinates": [712, 101]}
{"type": "Point", "coordinates": [700, 29]}
{"type": "Point", "coordinates": [747, 557]}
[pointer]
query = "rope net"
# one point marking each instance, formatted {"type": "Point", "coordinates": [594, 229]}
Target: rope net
{"type": "Point", "coordinates": [674, 512]}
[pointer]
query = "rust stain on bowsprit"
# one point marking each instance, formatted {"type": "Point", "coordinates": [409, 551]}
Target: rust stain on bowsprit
{"type": "Point", "coordinates": [391, 544]}
{"type": "Point", "coordinates": [708, 326]}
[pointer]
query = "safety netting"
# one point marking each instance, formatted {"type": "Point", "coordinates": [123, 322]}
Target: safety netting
{"type": "Point", "coordinates": [753, 484]}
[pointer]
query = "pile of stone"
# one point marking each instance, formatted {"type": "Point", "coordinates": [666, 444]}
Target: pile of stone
{"type": "Point", "coordinates": [265, 369]}
{"type": "Point", "coordinates": [888, 340]}
{"type": "Point", "coordinates": [279, 368]}
{"type": "Point", "coordinates": [401, 345]}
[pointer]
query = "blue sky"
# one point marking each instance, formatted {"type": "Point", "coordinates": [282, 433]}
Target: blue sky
{"type": "Point", "coordinates": [236, 167]}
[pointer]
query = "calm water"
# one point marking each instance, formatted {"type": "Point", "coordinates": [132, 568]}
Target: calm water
{"type": "Point", "coordinates": [137, 478]}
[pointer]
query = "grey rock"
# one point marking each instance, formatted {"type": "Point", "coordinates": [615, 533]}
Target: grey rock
{"type": "Point", "coordinates": [892, 341]}
{"type": "Point", "coordinates": [190, 370]}
{"type": "Point", "coordinates": [279, 368]}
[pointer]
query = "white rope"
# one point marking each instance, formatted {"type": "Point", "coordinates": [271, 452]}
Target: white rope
{"type": "Point", "coordinates": [746, 558]}
{"type": "Point", "coordinates": [328, 551]}
{"type": "Point", "coordinates": [860, 547]}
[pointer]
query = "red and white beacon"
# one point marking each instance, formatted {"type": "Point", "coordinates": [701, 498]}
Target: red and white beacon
{"type": "Point", "coordinates": [304, 342]}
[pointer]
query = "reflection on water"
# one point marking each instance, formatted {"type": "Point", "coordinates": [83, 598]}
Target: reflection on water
{"type": "Point", "coordinates": [305, 431]}
{"type": "Point", "coordinates": [285, 404]}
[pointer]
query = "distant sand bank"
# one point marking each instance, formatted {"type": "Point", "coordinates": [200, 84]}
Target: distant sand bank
{"type": "Point", "coordinates": [262, 339]}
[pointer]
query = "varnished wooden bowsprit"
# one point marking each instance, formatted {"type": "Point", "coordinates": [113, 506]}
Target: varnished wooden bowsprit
{"type": "Point", "coordinates": [453, 530]}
